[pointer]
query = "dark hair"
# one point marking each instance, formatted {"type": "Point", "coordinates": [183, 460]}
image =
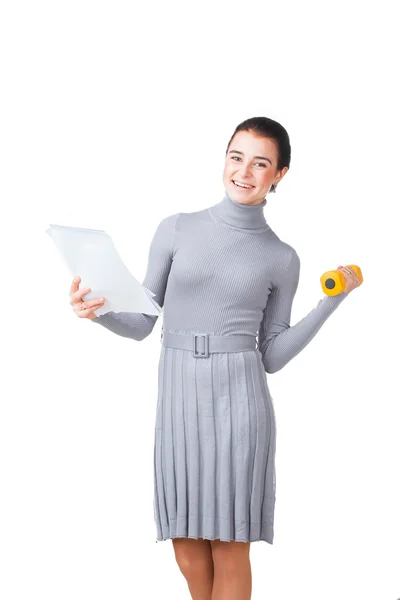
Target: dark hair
{"type": "Point", "coordinates": [268, 128]}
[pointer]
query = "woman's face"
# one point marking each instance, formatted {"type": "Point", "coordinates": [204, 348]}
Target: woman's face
{"type": "Point", "coordinates": [251, 160]}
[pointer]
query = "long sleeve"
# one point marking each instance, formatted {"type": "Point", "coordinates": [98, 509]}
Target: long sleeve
{"type": "Point", "coordinates": [278, 341]}
{"type": "Point", "coordinates": [137, 326]}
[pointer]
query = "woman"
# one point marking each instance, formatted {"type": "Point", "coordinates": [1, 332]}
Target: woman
{"type": "Point", "coordinates": [223, 276]}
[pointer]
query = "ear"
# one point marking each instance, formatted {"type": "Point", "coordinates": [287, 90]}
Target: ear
{"type": "Point", "coordinates": [280, 174]}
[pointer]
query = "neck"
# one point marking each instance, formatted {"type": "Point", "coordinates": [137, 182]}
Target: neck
{"type": "Point", "coordinates": [243, 216]}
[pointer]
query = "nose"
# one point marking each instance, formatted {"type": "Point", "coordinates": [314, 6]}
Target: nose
{"type": "Point", "coordinates": [244, 172]}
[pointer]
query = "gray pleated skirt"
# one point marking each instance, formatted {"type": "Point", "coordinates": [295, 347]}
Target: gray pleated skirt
{"type": "Point", "coordinates": [214, 447]}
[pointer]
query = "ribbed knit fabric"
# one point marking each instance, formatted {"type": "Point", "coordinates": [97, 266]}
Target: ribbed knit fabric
{"type": "Point", "coordinates": [223, 271]}
{"type": "Point", "coordinates": [227, 273]}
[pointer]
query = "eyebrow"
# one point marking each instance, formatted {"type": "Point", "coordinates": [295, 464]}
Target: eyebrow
{"type": "Point", "coordinates": [262, 157]}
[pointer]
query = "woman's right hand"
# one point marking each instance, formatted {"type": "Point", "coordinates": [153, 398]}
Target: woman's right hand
{"type": "Point", "coordinates": [84, 310]}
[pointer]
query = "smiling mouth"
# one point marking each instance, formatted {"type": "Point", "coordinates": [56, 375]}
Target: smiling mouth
{"type": "Point", "coordinates": [242, 186]}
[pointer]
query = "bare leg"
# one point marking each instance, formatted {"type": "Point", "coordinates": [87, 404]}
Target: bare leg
{"type": "Point", "coordinates": [232, 570]}
{"type": "Point", "coordinates": [195, 561]}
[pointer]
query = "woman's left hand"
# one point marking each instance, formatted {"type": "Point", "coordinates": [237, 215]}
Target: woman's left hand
{"type": "Point", "coordinates": [352, 280]}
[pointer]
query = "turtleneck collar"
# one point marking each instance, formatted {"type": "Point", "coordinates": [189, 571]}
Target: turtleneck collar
{"type": "Point", "coordinates": [243, 216]}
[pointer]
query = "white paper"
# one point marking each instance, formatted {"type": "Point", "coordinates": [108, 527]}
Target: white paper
{"type": "Point", "coordinates": [91, 254]}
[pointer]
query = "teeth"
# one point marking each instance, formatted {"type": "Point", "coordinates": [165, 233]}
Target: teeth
{"type": "Point", "coordinates": [242, 184]}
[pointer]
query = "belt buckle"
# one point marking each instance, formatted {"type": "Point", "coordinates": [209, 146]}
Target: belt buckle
{"type": "Point", "coordinates": [202, 354]}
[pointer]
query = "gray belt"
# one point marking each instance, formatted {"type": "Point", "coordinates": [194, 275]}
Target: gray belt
{"type": "Point", "coordinates": [202, 344]}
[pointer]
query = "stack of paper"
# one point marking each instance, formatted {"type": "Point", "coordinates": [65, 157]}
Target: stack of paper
{"type": "Point", "coordinates": [91, 254]}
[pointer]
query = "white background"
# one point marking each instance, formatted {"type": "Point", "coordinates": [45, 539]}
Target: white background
{"type": "Point", "coordinates": [113, 116]}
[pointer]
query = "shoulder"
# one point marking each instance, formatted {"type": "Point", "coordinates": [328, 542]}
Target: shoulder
{"type": "Point", "coordinates": [164, 235]}
{"type": "Point", "coordinates": [185, 222]}
{"type": "Point", "coordinates": [181, 218]}
{"type": "Point", "coordinates": [283, 258]}
{"type": "Point", "coordinates": [285, 253]}
{"type": "Point", "coordinates": [170, 221]}
{"type": "Point", "coordinates": [180, 222]}
{"type": "Point", "coordinates": [168, 225]}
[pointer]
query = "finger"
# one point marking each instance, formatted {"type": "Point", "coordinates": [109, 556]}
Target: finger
{"type": "Point", "coordinates": [352, 279]}
{"type": "Point", "coordinates": [94, 302]}
{"type": "Point", "coordinates": [75, 285]}
{"type": "Point", "coordinates": [352, 273]}
{"type": "Point", "coordinates": [83, 311]}
{"type": "Point", "coordinates": [77, 296]}
{"type": "Point", "coordinates": [88, 311]}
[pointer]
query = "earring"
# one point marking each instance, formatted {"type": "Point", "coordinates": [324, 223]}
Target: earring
{"type": "Point", "coordinates": [273, 187]}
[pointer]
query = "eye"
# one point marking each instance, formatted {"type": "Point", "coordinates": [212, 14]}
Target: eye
{"type": "Point", "coordinates": [238, 158]}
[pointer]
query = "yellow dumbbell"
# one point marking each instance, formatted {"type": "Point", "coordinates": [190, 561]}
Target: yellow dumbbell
{"type": "Point", "coordinates": [334, 282]}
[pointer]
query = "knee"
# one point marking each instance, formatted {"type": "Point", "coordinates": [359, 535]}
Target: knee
{"type": "Point", "coordinates": [190, 566]}
{"type": "Point", "coordinates": [230, 557]}
{"type": "Point", "coordinates": [192, 561]}
{"type": "Point", "coordinates": [225, 566]}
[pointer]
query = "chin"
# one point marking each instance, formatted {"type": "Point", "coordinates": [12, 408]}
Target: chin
{"type": "Point", "coordinates": [243, 196]}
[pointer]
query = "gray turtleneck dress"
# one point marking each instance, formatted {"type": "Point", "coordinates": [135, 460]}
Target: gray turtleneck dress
{"type": "Point", "coordinates": [220, 270]}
